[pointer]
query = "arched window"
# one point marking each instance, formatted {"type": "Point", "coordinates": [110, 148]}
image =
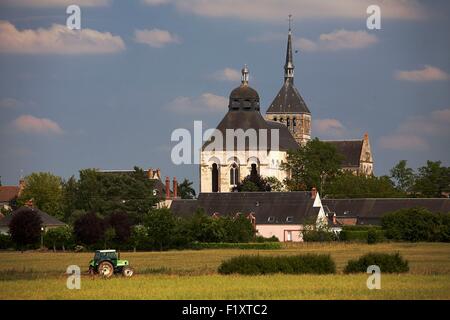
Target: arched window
{"type": "Point", "coordinates": [254, 170]}
{"type": "Point", "coordinates": [288, 123]}
{"type": "Point", "coordinates": [215, 178]}
{"type": "Point", "coordinates": [234, 175]}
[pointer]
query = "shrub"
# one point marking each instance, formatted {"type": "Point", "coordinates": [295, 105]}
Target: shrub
{"type": "Point", "coordinates": [388, 263]}
{"type": "Point", "coordinates": [6, 241]}
{"type": "Point", "coordinates": [318, 236]}
{"type": "Point", "coordinates": [260, 239]}
{"type": "Point", "coordinates": [300, 264]}
{"type": "Point", "coordinates": [60, 237]}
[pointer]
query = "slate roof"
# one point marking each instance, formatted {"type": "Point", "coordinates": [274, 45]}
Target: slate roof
{"type": "Point", "coordinates": [288, 100]}
{"type": "Point", "coordinates": [47, 220]}
{"type": "Point", "coordinates": [370, 211]}
{"type": "Point", "coordinates": [280, 207]}
{"type": "Point", "coordinates": [350, 149]}
{"type": "Point", "coordinates": [8, 193]}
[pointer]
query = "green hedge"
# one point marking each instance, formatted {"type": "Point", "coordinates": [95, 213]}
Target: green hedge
{"type": "Point", "coordinates": [300, 264]}
{"type": "Point", "coordinates": [228, 245]}
{"type": "Point", "coordinates": [388, 263]}
{"type": "Point", "coordinates": [361, 235]}
{"type": "Point", "coordinates": [318, 236]}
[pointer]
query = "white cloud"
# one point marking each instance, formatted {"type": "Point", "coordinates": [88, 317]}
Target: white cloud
{"type": "Point", "coordinates": [227, 74]}
{"type": "Point", "coordinates": [276, 11]}
{"type": "Point", "coordinates": [428, 73]}
{"type": "Point", "coordinates": [56, 3]}
{"type": "Point", "coordinates": [328, 127]}
{"type": "Point", "coordinates": [155, 38]}
{"type": "Point", "coordinates": [338, 40]}
{"type": "Point", "coordinates": [58, 39]}
{"type": "Point", "coordinates": [416, 131]}
{"type": "Point", "coordinates": [31, 124]}
{"type": "Point", "coordinates": [206, 102]}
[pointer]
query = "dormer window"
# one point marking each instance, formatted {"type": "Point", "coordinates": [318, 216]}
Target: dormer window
{"type": "Point", "coordinates": [290, 219]}
{"type": "Point", "coordinates": [271, 219]}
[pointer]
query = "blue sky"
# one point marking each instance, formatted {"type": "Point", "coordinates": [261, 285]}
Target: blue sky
{"type": "Point", "coordinates": [110, 95]}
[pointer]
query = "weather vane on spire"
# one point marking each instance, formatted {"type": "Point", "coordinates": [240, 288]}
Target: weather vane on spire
{"type": "Point", "coordinates": [290, 20]}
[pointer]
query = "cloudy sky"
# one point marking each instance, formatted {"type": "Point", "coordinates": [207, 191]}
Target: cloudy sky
{"type": "Point", "coordinates": [109, 96]}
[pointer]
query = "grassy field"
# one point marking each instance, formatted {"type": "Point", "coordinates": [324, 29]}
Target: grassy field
{"type": "Point", "coordinates": [193, 275]}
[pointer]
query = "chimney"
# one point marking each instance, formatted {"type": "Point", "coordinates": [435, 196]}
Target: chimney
{"type": "Point", "coordinates": [21, 186]}
{"type": "Point", "coordinates": [167, 188]}
{"type": "Point", "coordinates": [313, 193]}
{"type": "Point", "coordinates": [175, 187]}
{"type": "Point", "coordinates": [150, 173]}
{"type": "Point", "coordinates": [158, 173]}
{"type": "Point", "coordinates": [366, 136]}
{"type": "Point", "coordinates": [334, 218]}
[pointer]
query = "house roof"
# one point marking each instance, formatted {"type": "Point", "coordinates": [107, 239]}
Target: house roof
{"type": "Point", "coordinates": [351, 151]}
{"type": "Point", "coordinates": [370, 211]}
{"type": "Point", "coordinates": [47, 220]}
{"type": "Point", "coordinates": [267, 207]}
{"type": "Point", "coordinates": [9, 193]}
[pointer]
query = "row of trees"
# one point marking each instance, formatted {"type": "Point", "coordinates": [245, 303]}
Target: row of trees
{"type": "Point", "coordinates": [317, 164]}
{"type": "Point", "coordinates": [159, 230]}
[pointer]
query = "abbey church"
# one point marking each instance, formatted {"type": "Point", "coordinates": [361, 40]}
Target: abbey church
{"type": "Point", "coordinates": [288, 115]}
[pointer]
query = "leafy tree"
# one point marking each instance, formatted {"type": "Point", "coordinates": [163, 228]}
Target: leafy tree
{"type": "Point", "coordinates": [70, 190]}
{"type": "Point", "coordinates": [109, 236]}
{"type": "Point", "coordinates": [275, 184]}
{"type": "Point", "coordinates": [432, 180]}
{"type": "Point", "coordinates": [203, 228]}
{"type": "Point", "coordinates": [102, 192]}
{"type": "Point", "coordinates": [89, 229]}
{"type": "Point", "coordinates": [253, 183]}
{"type": "Point", "coordinates": [121, 223]}
{"type": "Point", "coordinates": [160, 224]}
{"type": "Point", "coordinates": [238, 229]}
{"type": "Point", "coordinates": [348, 185]}
{"type": "Point", "coordinates": [312, 165]}
{"type": "Point", "coordinates": [403, 176]}
{"type": "Point", "coordinates": [58, 238]}
{"type": "Point", "coordinates": [139, 237]}
{"type": "Point", "coordinates": [185, 190]}
{"type": "Point", "coordinates": [45, 190]}
{"type": "Point", "coordinates": [416, 224]}
{"type": "Point", "coordinates": [25, 227]}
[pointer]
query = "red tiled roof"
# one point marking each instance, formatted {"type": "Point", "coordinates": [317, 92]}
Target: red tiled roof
{"type": "Point", "coordinates": [8, 193]}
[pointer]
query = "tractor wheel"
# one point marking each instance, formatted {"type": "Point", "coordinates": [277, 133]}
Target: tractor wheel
{"type": "Point", "coordinates": [127, 272]}
{"type": "Point", "coordinates": [106, 269]}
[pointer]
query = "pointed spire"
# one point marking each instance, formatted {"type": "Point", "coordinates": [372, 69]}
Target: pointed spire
{"type": "Point", "coordinates": [245, 76]}
{"type": "Point", "coordinates": [289, 65]}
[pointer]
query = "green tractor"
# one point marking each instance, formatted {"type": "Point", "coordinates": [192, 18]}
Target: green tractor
{"type": "Point", "coordinates": [107, 262]}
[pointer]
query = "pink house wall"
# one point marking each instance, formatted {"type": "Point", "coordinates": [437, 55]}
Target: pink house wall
{"type": "Point", "coordinates": [281, 231]}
